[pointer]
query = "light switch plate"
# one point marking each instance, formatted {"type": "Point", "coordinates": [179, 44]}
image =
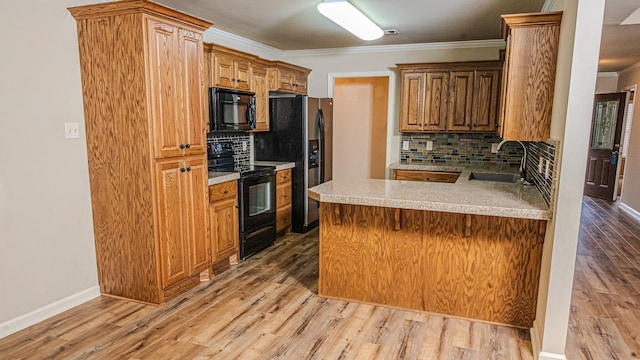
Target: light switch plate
{"type": "Point", "coordinates": [540, 165]}
{"type": "Point", "coordinates": [429, 145]}
{"type": "Point", "coordinates": [546, 170]}
{"type": "Point", "coordinates": [494, 148]}
{"type": "Point", "coordinates": [72, 130]}
{"type": "Point", "coordinates": [244, 146]}
{"type": "Point", "coordinates": [405, 145]}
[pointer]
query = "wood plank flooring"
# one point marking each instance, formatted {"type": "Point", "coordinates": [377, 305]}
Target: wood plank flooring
{"type": "Point", "coordinates": [604, 322]}
{"type": "Point", "coordinates": [263, 308]}
{"type": "Point", "coordinates": [267, 308]}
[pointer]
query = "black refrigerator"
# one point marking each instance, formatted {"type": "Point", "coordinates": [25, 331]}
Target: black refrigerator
{"type": "Point", "coordinates": [301, 131]}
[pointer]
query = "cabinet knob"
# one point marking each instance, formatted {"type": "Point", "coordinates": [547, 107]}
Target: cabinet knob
{"type": "Point", "coordinates": [225, 192]}
{"type": "Point", "coordinates": [188, 146]}
{"type": "Point", "coordinates": [182, 146]}
{"type": "Point", "coordinates": [237, 207]}
{"type": "Point", "coordinates": [189, 168]}
{"type": "Point", "coordinates": [183, 169]}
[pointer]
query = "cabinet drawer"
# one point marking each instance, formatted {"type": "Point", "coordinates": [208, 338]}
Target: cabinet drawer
{"type": "Point", "coordinates": [225, 190]}
{"type": "Point", "coordinates": [283, 218]}
{"type": "Point", "coordinates": [428, 176]}
{"type": "Point", "coordinates": [283, 194]}
{"type": "Point", "coordinates": [283, 176]}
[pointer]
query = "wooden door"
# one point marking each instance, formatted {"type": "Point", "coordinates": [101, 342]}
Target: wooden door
{"type": "Point", "coordinates": [261, 88]}
{"type": "Point", "coordinates": [174, 247]}
{"type": "Point", "coordinates": [485, 97]}
{"type": "Point", "coordinates": [193, 132]}
{"type": "Point", "coordinates": [242, 75]}
{"type": "Point", "coordinates": [604, 145]}
{"type": "Point", "coordinates": [286, 80]}
{"type": "Point", "coordinates": [435, 103]}
{"type": "Point", "coordinates": [223, 71]}
{"type": "Point", "coordinates": [196, 204]}
{"type": "Point", "coordinates": [224, 228]}
{"type": "Point", "coordinates": [460, 101]}
{"type": "Point", "coordinates": [300, 84]}
{"type": "Point", "coordinates": [164, 76]}
{"type": "Point", "coordinates": [412, 101]}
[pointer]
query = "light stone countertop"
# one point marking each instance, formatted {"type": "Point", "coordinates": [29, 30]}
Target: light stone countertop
{"type": "Point", "coordinates": [218, 177]}
{"type": "Point", "coordinates": [280, 165]}
{"type": "Point", "coordinates": [464, 196]}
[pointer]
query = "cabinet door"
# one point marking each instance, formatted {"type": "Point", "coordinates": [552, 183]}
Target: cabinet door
{"type": "Point", "coordinates": [435, 105]}
{"type": "Point", "coordinates": [196, 207]}
{"type": "Point", "coordinates": [412, 101]}
{"type": "Point", "coordinates": [224, 228]}
{"type": "Point", "coordinates": [194, 109]}
{"type": "Point", "coordinates": [223, 71]}
{"type": "Point", "coordinates": [164, 77]}
{"type": "Point", "coordinates": [286, 80]}
{"type": "Point", "coordinates": [460, 101]}
{"type": "Point", "coordinates": [485, 94]}
{"type": "Point", "coordinates": [300, 83]}
{"type": "Point", "coordinates": [174, 247]}
{"type": "Point", "coordinates": [242, 75]}
{"type": "Point", "coordinates": [261, 88]}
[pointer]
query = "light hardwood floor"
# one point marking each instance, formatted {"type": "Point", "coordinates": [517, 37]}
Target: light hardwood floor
{"type": "Point", "coordinates": [266, 308]}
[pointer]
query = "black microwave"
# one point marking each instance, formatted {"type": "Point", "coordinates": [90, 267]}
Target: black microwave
{"type": "Point", "coordinates": [231, 110]}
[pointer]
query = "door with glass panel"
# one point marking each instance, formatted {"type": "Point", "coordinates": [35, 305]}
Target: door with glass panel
{"type": "Point", "coordinates": [604, 145]}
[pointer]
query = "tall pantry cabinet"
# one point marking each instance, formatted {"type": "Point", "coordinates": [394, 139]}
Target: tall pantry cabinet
{"type": "Point", "coordinates": [145, 110]}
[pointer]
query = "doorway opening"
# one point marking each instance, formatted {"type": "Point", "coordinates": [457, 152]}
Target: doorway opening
{"type": "Point", "coordinates": [626, 132]}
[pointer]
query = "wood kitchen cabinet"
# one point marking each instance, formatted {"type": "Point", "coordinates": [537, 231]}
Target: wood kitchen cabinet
{"type": "Point", "coordinates": [449, 97]}
{"type": "Point", "coordinates": [229, 68]}
{"type": "Point", "coordinates": [223, 218]}
{"type": "Point", "coordinates": [426, 176]}
{"type": "Point", "coordinates": [283, 201]}
{"type": "Point", "coordinates": [144, 105]}
{"type": "Point", "coordinates": [528, 79]}
{"type": "Point", "coordinates": [288, 78]}
{"type": "Point", "coordinates": [260, 86]}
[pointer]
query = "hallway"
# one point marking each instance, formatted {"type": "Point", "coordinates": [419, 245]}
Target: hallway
{"type": "Point", "coordinates": [605, 316]}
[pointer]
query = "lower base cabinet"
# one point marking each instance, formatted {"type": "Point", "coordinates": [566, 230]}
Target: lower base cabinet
{"type": "Point", "coordinates": [427, 176]}
{"type": "Point", "coordinates": [223, 218]}
{"type": "Point", "coordinates": [283, 201]}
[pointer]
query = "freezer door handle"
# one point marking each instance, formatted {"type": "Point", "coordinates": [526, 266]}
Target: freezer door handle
{"type": "Point", "coordinates": [320, 125]}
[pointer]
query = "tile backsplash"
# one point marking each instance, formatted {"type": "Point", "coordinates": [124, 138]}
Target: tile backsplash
{"type": "Point", "coordinates": [241, 157]}
{"type": "Point", "coordinates": [545, 151]}
{"type": "Point", "coordinates": [460, 149]}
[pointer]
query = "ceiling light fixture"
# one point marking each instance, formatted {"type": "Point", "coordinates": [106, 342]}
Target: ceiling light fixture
{"type": "Point", "coordinates": [351, 19]}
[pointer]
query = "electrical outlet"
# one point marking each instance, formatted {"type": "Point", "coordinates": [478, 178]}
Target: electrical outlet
{"type": "Point", "coordinates": [429, 145]}
{"type": "Point", "coordinates": [494, 148]}
{"type": "Point", "coordinates": [546, 170]}
{"type": "Point", "coordinates": [244, 146]}
{"type": "Point", "coordinates": [540, 165]}
{"type": "Point", "coordinates": [72, 130]}
{"type": "Point", "coordinates": [405, 145]}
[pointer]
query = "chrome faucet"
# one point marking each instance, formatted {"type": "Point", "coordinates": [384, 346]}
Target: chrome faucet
{"type": "Point", "coordinates": [523, 161]}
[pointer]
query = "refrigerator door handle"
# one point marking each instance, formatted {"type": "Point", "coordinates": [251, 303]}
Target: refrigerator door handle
{"type": "Point", "coordinates": [320, 125]}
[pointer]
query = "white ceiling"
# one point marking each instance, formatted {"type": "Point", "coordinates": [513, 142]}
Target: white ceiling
{"type": "Point", "coordinates": [297, 25]}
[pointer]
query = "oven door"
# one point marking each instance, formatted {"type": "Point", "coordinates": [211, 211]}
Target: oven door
{"type": "Point", "coordinates": [258, 194]}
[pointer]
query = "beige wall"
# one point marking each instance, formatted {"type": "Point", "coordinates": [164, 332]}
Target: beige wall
{"type": "Point", "coordinates": [572, 108]}
{"type": "Point", "coordinates": [46, 234]}
{"type": "Point", "coordinates": [360, 127]}
{"type": "Point", "coordinates": [607, 83]}
{"type": "Point", "coordinates": [630, 191]}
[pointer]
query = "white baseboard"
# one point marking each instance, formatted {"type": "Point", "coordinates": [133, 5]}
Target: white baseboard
{"type": "Point", "coordinates": [536, 344]}
{"type": "Point", "coordinates": [550, 356]}
{"type": "Point", "coordinates": [629, 210]}
{"type": "Point", "coordinates": [24, 321]}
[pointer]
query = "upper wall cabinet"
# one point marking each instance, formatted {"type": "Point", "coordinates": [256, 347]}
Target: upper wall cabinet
{"type": "Point", "coordinates": [529, 75]}
{"type": "Point", "coordinates": [453, 97]}
{"type": "Point", "coordinates": [228, 68]}
{"type": "Point", "coordinates": [260, 86]}
{"type": "Point", "coordinates": [288, 78]}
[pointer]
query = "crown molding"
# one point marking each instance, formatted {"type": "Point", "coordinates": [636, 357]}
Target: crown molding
{"type": "Point", "coordinates": [548, 5]}
{"type": "Point", "coordinates": [631, 67]}
{"type": "Point", "coordinates": [472, 44]}
{"type": "Point", "coordinates": [235, 40]}
{"type": "Point", "coordinates": [607, 74]}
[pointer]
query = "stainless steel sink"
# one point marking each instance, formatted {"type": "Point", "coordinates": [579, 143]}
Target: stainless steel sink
{"type": "Point", "coordinates": [505, 178]}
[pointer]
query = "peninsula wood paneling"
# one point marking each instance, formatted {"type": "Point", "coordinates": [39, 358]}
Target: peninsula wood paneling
{"type": "Point", "coordinates": [470, 266]}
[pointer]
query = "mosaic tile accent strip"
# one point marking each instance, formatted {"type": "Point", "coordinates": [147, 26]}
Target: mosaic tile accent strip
{"type": "Point", "coordinates": [545, 151]}
{"type": "Point", "coordinates": [241, 158]}
{"type": "Point", "coordinates": [461, 149]}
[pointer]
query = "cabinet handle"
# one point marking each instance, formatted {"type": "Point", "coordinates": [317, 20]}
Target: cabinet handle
{"type": "Point", "coordinates": [188, 146]}
{"type": "Point", "coordinates": [182, 146]}
{"type": "Point", "coordinates": [237, 206]}
{"type": "Point", "coordinates": [233, 79]}
{"type": "Point", "coordinates": [183, 169]}
{"type": "Point", "coordinates": [189, 168]}
{"type": "Point", "coordinates": [225, 192]}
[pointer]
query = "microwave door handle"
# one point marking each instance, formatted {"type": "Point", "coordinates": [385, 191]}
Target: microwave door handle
{"type": "Point", "coordinates": [251, 119]}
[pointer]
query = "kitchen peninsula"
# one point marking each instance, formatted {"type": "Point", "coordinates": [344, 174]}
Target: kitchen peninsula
{"type": "Point", "coordinates": [469, 249]}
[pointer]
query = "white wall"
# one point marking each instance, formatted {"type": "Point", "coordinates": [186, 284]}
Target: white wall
{"type": "Point", "coordinates": [572, 108]}
{"type": "Point", "coordinates": [46, 234]}
{"type": "Point", "coordinates": [630, 191]}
